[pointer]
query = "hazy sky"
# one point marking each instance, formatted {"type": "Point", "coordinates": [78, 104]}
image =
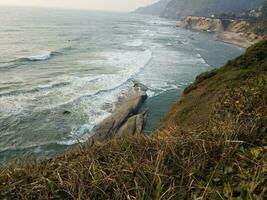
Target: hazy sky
{"type": "Point", "coordinates": [115, 5]}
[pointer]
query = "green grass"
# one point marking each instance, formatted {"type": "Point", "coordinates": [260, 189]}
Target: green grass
{"type": "Point", "coordinates": [211, 145]}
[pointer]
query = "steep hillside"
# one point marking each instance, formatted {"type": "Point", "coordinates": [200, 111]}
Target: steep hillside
{"type": "Point", "coordinates": [211, 145]}
{"type": "Point", "coordinates": [181, 8]}
{"type": "Point", "coordinates": [154, 9]}
{"type": "Point", "coordinates": [261, 24]}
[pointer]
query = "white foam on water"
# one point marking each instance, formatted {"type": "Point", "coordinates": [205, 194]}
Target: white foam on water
{"type": "Point", "coordinates": [90, 92]}
{"type": "Point", "coordinates": [127, 64]}
{"type": "Point", "coordinates": [130, 62]}
{"type": "Point", "coordinates": [150, 93]}
{"type": "Point", "coordinates": [147, 32]}
{"type": "Point", "coordinates": [68, 142]}
{"type": "Point", "coordinates": [202, 60]}
{"type": "Point", "coordinates": [198, 55]}
{"type": "Point", "coordinates": [41, 57]}
{"type": "Point", "coordinates": [134, 43]}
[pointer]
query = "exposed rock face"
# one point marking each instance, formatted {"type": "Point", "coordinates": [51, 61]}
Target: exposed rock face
{"type": "Point", "coordinates": [133, 126]}
{"type": "Point", "coordinates": [237, 32]}
{"type": "Point", "coordinates": [240, 33]}
{"type": "Point", "coordinates": [202, 24]}
{"type": "Point", "coordinates": [238, 26]}
{"type": "Point", "coordinates": [124, 121]}
{"type": "Point", "coordinates": [242, 39]}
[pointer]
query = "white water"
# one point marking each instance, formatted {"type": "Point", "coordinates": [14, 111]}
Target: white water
{"type": "Point", "coordinates": [81, 65]}
{"type": "Point", "coordinates": [135, 43]}
{"type": "Point", "coordinates": [41, 57]}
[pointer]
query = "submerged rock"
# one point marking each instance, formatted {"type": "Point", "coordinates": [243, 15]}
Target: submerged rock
{"type": "Point", "coordinates": [66, 112]}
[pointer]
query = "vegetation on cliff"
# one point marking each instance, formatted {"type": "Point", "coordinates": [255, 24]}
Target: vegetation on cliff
{"type": "Point", "coordinates": [261, 23]}
{"type": "Point", "coordinates": [181, 8]}
{"type": "Point", "coordinates": [211, 145]}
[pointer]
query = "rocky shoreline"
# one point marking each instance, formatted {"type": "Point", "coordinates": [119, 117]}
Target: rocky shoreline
{"type": "Point", "coordinates": [126, 120]}
{"type": "Point", "coordinates": [236, 32]}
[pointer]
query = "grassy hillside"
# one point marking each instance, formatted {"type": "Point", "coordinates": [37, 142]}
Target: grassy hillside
{"type": "Point", "coordinates": [211, 145]}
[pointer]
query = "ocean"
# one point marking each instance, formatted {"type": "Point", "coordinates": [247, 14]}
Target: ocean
{"type": "Point", "coordinates": [62, 72]}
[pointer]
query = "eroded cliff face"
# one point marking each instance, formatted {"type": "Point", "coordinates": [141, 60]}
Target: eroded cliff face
{"type": "Point", "coordinates": [237, 32]}
{"type": "Point", "coordinates": [240, 32]}
{"type": "Point", "coordinates": [202, 24]}
{"type": "Point", "coordinates": [238, 26]}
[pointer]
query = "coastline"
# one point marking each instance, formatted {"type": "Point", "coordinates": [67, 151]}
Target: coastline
{"type": "Point", "coordinates": [196, 138]}
{"type": "Point", "coordinates": [156, 107]}
{"type": "Point", "coordinates": [237, 32]}
{"type": "Point", "coordinates": [237, 39]}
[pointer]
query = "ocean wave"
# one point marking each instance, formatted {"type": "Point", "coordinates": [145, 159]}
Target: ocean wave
{"type": "Point", "coordinates": [77, 89]}
{"type": "Point", "coordinates": [110, 87]}
{"type": "Point", "coordinates": [40, 57]}
{"type": "Point", "coordinates": [34, 90]}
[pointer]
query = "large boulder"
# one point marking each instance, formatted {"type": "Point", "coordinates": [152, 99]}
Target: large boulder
{"type": "Point", "coordinates": [133, 126]}
{"type": "Point", "coordinates": [109, 127]}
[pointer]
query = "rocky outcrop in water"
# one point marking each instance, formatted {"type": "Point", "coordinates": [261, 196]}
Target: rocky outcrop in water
{"type": "Point", "coordinates": [125, 120]}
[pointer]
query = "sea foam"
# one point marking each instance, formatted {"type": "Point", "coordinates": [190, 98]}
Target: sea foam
{"type": "Point", "coordinates": [41, 57]}
{"type": "Point", "coordinates": [134, 43]}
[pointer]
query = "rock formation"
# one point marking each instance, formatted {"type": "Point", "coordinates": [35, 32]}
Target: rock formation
{"type": "Point", "coordinates": [202, 24]}
{"type": "Point", "coordinates": [237, 32]}
{"type": "Point", "coordinates": [125, 120]}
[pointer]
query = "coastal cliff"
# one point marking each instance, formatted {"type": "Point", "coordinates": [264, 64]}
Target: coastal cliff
{"type": "Point", "coordinates": [211, 145]}
{"type": "Point", "coordinates": [237, 32]}
{"type": "Point", "coordinates": [240, 22]}
{"type": "Point", "coordinates": [202, 24]}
